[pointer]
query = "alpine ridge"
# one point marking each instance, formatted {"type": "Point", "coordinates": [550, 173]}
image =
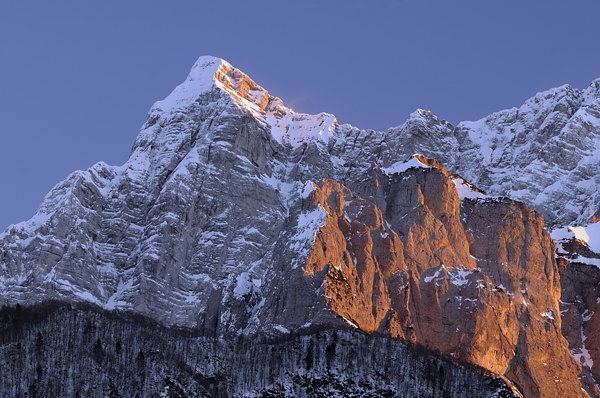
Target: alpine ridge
{"type": "Point", "coordinates": [237, 219]}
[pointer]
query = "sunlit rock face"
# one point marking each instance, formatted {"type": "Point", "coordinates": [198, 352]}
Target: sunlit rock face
{"type": "Point", "coordinates": [239, 218]}
{"type": "Point", "coordinates": [475, 279]}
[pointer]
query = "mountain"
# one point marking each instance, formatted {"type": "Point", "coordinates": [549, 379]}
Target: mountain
{"type": "Point", "coordinates": [237, 219]}
{"type": "Point", "coordinates": [545, 153]}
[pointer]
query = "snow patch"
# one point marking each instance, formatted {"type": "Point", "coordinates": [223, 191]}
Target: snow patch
{"type": "Point", "coordinates": [294, 128]}
{"type": "Point", "coordinates": [582, 355]}
{"type": "Point", "coordinates": [116, 299]}
{"type": "Point", "coordinates": [308, 226]}
{"type": "Point", "coordinates": [201, 79]}
{"type": "Point", "coordinates": [244, 285]}
{"type": "Point", "coordinates": [459, 276]}
{"type": "Point", "coordinates": [466, 191]}
{"type": "Point", "coordinates": [402, 166]}
{"type": "Point", "coordinates": [281, 329]}
{"type": "Point", "coordinates": [548, 314]}
{"type": "Point", "coordinates": [583, 234]}
{"type": "Point", "coordinates": [308, 189]}
{"type": "Point", "coordinates": [428, 279]}
{"type": "Point", "coordinates": [590, 235]}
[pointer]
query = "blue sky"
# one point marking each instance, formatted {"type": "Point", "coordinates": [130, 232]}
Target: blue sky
{"type": "Point", "coordinates": [77, 78]}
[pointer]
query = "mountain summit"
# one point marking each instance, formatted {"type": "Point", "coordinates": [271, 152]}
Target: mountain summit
{"type": "Point", "coordinates": [285, 125]}
{"type": "Point", "coordinates": [240, 220]}
{"type": "Point", "coordinates": [544, 153]}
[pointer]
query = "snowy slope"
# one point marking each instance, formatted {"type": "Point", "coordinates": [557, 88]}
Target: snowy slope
{"type": "Point", "coordinates": [189, 221]}
{"type": "Point", "coordinates": [545, 153]}
{"type": "Point", "coordinates": [223, 165]}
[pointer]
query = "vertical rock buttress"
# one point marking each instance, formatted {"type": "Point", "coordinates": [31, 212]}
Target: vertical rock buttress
{"type": "Point", "coordinates": [474, 280]}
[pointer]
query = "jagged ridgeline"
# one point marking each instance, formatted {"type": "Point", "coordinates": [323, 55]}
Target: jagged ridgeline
{"type": "Point", "coordinates": [245, 249]}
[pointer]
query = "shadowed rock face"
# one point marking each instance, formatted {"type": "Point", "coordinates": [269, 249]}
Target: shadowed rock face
{"type": "Point", "coordinates": [580, 312]}
{"type": "Point", "coordinates": [240, 218]}
{"type": "Point", "coordinates": [580, 301]}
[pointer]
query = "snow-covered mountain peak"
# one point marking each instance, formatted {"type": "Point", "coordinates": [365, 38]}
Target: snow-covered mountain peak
{"type": "Point", "coordinates": [286, 125]}
{"type": "Point", "coordinates": [422, 115]}
{"type": "Point", "coordinates": [200, 80]}
{"type": "Point", "coordinates": [420, 121]}
{"type": "Point", "coordinates": [209, 73]}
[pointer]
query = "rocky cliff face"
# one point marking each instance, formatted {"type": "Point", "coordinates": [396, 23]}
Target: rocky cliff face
{"type": "Point", "coordinates": [578, 255]}
{"type": "Point", "coordinates": [240, 218]}
{"type": "Point", "coordinates": [475, 279]}
{"type": "Point", "coordinates": [579, 308]}
{"type": "Point", "coordinates": [545, 153]}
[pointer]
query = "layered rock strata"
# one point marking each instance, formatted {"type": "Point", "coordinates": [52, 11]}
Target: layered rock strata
{"type": "Point", "coordinates": [238, 217]}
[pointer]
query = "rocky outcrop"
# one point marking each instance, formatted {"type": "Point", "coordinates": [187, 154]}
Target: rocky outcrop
{"type": "Point", "coordinates": [476, 279]}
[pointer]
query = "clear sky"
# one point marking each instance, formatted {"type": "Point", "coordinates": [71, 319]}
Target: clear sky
{"type": "Point", "coordinates": [77, 77]}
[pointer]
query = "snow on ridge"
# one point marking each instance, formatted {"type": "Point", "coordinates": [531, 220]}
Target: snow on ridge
{"type": "Point", "coordinates": [309, 225]}
{"type": "Point", "coordinates": [287, 126]}
{"type": "Point", "coordinates": [402, 166]}
{"type": "Point", "coordinates": [492, 133]}
{"type": "Point", "coordinates": [295, 128]}
{"type": "Point", "coordinates": [463, 188]}
{"type": "Point", "coordinates": [589, 234]}
{"type": "Point", "coordinates": [592, 93]}
{"type": "Point", "coordinates": [200, 79]}
{"type": "Point", "coordinates": [580, 233]}
{"type": "Point", "coordinates": [100, 175]}
{"type": "Point", "coordinates": [28, 226]}
{"type": "Point", "coordinates": [466, 191]}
